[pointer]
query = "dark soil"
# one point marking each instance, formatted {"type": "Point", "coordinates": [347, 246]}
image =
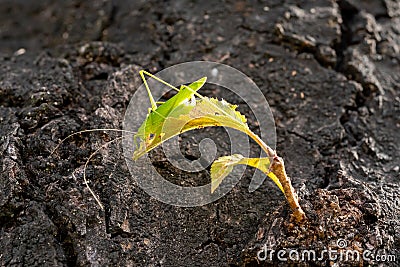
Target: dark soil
{"type": "Point", "coordinates": [329, 70]}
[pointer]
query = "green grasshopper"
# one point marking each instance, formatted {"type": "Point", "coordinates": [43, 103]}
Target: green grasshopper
{"type": "Point", "coordinates": [150, 130]}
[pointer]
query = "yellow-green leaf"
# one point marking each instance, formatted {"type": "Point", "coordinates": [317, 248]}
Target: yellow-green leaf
{"type": "Point", "coordinates": [205, 112]}
{"type": "Point", "coordinates": [223, 166]}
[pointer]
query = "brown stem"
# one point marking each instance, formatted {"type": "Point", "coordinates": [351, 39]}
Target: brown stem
{"type": "Point", "coordinates": [278, 168]}
{"type": "Point", "coordinates": [270, 152]}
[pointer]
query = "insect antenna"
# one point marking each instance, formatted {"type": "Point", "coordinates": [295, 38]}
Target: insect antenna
{"type": "Point", "coordinates": [88, 131]}
{"type": "Point", "coordinates": [86, 164]}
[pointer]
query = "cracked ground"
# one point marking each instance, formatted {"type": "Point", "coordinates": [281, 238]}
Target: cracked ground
{"type": "Point", "coordinates": [329, 70]}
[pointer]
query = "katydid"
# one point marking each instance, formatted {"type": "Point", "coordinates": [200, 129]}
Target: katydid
{"type": "Point", "coordinates": [152, 126]}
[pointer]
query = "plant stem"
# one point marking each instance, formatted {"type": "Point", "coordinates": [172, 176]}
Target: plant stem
{"type": "Point", "coordinates": [278, 168]}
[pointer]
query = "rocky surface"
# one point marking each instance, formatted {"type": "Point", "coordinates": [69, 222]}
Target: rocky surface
{"type": "Point", "coordinates": [330, 71]}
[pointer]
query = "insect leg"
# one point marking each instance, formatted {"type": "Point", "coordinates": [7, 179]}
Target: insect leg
{"type": "Point", "coordinates": [142, 72]}
{"type": "Point", "coordinates": [152, 101]}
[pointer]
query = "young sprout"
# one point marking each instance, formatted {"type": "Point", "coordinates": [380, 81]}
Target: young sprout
{"type": "Point", "coordinates": [175, 116]}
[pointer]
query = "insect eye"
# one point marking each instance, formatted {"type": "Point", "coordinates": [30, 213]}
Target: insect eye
{"type": "Point", "coordinates": [151, 135]}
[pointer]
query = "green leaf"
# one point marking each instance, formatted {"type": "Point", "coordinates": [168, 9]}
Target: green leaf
{"type": "Point", "coordinates": [219, 111]}
{"type": "Point", "coordinates": [223, 166]}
